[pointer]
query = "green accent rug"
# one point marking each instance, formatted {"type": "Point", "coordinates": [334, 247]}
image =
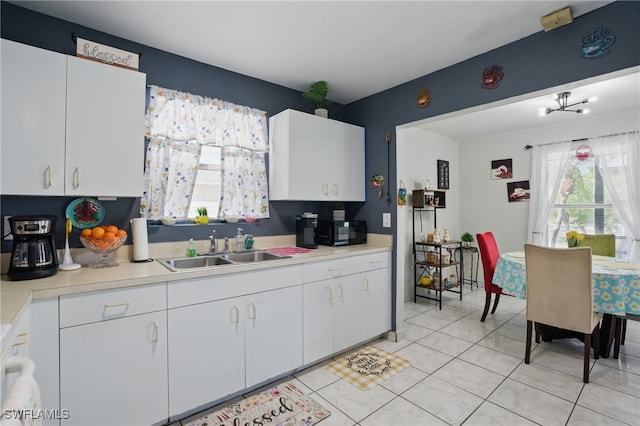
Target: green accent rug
{"type": "Point", "coordinates": [282, 405]}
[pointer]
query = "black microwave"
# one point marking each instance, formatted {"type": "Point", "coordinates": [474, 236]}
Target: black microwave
{"type": "Point", "coordinates": [341, 232]}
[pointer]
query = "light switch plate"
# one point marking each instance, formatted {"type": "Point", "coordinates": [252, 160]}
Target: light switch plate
{"type": "Point", "coordinates": [386, 220]}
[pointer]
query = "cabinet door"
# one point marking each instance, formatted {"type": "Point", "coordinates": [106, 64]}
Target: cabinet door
{"type": "Point", "coordinates": [375, 302]}
{"type": "Point", "coordinates": [273, 333]}
{"type": "Point", "coordinates": [33, 120]}
{"type": "Point", "coordinates": [300, 157]}
{"type": "Point", "coordinates": [317, 308]}
{"type": "Point", "coordinates": [346, 292]}
{"type": "Point", "coordinates": [315, 158]}
{"type": "Point", "coordinates": [348, 181]}
{"type": "Point", "coordinates": [115, 372]}
{"type": "Point", "coordinates": [105, 129]}
{"type": "Point", "coordinates": [206, 353]}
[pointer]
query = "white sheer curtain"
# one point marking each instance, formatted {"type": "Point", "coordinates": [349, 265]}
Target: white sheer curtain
{"type": "Point", "coordinates": [548, 165]}
{"type": "Point", "coordinates": [618, 160]}
{"type": "Point", "coordinates": [178, 123]}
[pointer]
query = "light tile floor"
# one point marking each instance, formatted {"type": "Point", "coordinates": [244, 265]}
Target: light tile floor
{"type": "Point", "coordinates": [467, 372]}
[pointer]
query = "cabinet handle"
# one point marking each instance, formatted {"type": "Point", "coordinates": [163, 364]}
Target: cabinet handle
{"type": "Point", "coordinates": [329, 293]}
{"type": "Point", "coordinates": [21, 339]}
{"type": "Point", "coordinates": [335, 188]}
{"type": "Point", "coordinates": [155, 332]}
{"type": "Point", "coordinates": [76, 176]}
{"type": "Point", "coordinates": [325, 189]}
{"type": "Point", "coordinates": [115, 305]}
{"type": "Point", "coordinates": [335, 272]}
{"type": "Point", "coordinates": [48, 170]}
{"type": "Point", "coordinates": [340, 292]}
{"type": "Point", "coordinates": [251, 311]}
{"type": "Point", "coordinates": [366, 284]}
{"type": "Point", "coordinates": [375, 263]}
{"type": "Point", "coordinates": [235, 315]}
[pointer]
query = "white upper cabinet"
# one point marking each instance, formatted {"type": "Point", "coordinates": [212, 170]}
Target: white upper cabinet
{"type": "Point", "coordinates": [70, 126]}
{"type": "Point", "coordinates": [315, 158]}
{"type": "Point", "coordinates": [33, 120]}
{"type": "Point", "coordinates": [105, 129]}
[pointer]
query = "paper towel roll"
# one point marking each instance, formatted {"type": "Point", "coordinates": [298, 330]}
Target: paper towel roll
{"type": "Point", "coordinates": [140, 239]}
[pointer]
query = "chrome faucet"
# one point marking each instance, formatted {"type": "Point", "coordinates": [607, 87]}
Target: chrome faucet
{"type": "Point", "coordinates": [214, 242]}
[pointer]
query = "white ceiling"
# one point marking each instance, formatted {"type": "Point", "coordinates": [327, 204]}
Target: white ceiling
{"type": "Point", "coordinates": [359, 47]}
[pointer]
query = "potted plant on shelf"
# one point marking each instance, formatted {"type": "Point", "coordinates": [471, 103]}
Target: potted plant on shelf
{"type": "Point", "coordinates": [203, 216]}
{"type": "Point", "coordinates": [467, 239]}
{"type": "Point", "coordinates": [317, 95]}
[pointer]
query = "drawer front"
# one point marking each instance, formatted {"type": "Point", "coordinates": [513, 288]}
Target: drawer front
{"type": "Point", "coordinates": [374, 261]}
{"type": "Point", "coordinates": [200, 290]}
{"type": "Point", "coordinates": [109, 304]}
{"type": "Point", "coordinates": [327, 269]}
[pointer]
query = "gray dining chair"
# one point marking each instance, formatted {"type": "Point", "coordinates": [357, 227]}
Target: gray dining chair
{"type": "Point", "coordinates": [560, 294]}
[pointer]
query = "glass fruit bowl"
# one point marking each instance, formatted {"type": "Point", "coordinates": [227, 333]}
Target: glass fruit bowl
{"type": "Point", "coordinates": [103, 247]}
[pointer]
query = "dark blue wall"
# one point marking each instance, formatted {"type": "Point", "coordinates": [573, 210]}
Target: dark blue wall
{"type": "Point", "coordinates": [533, 63]}
{"type": "Point", "coordinates": [544, 59]}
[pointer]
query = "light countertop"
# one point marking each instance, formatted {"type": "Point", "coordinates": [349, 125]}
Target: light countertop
{"type": "Point", "coordinates": [16, 295]}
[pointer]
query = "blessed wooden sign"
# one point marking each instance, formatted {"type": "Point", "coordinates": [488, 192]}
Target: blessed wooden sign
{"type": "Point", "coordinates": [106, 54]}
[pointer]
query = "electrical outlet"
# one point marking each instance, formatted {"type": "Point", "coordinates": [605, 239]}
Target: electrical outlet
{"type": "Point", "coordinates": [386, 220]}
{"type": "Point", "coordinates": [6, 229]}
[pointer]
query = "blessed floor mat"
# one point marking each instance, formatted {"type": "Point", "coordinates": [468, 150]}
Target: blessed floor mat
{"type": "Point", "coordinates": [368, 367]}
{"type": "Point", "coordinates": [282, 405]}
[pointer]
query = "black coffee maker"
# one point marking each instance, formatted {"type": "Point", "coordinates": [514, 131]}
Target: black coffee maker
{"type": "Point", "coordinates": [306, 230]}
{"type": "Point", "coordinates": [34, 251]}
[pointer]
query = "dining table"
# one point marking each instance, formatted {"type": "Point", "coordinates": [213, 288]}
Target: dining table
{"type": "Point", "coordinates": [616, 288]}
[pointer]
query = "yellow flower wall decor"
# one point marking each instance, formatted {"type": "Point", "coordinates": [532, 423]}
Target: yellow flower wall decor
{"type": "Point", "coordinates": [574, 238]}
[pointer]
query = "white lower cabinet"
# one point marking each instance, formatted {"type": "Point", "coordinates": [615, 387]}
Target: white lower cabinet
{"type": "Point", "coordinates": [219, 347]}
{"type": "Point", "coordinates": [352, 306]}
{"type": "Point", "coordinates": [375, 307]}
{"type": "Point", "coordinates": [115, 372]}
{"type": "Point", "coordinates": [113, 356]}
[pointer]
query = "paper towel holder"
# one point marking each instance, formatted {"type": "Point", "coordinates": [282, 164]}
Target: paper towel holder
{"type": "Point", "coordinates": [142, 261]}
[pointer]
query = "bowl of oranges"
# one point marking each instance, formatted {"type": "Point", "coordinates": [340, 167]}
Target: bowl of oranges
{"type": "Point", "coordinates": [103, 240]}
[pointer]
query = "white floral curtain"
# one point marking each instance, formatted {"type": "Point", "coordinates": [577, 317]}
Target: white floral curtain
{"type": "Point", "coordinates": [618, 160]}
{"type": "Point", "coordinates": [548, 165]}
{"type": "Point", "coordinates": [178, 118]}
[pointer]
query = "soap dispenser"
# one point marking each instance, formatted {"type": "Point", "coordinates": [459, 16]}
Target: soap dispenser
{"type": "Point", "coordinates": [191, 250]}
{"type": "Point", "coordinates": [239, 240]}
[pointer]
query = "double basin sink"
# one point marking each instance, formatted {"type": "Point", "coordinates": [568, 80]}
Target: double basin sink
{"type": "Point", "coordinates": [205, 261]}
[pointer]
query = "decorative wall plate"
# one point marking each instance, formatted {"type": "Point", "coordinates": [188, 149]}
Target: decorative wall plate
{"type": "Point", "coordinates": [85, 212]}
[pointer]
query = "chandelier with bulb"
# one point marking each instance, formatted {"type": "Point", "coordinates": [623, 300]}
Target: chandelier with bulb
{"type": "Point", "coordinates": [562, 99]}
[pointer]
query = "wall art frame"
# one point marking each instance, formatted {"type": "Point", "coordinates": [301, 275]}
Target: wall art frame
{"type": "Point", "coordinates": [443, 174]}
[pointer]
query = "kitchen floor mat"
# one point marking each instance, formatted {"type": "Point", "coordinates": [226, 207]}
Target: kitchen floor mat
{"type": "Point", "coordinates": [281, 405]}
{"type": "Point", "coordinates": [368, 367]}
{"type": "Point", "coordinates": [288, 250]}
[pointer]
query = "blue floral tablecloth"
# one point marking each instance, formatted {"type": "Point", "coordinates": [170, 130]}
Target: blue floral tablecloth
{"type": "Point", "coordinates": [616, 291]}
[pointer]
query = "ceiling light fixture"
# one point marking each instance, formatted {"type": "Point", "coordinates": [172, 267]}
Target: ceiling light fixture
{"type": "Point", "coordinates": [562, 99]}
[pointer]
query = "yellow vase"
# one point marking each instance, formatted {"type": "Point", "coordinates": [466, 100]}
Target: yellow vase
{"type": "Point", "coordinates": [202, 220]}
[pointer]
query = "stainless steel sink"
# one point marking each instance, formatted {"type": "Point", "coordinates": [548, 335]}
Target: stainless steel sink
{"type": "Point", "coordinates": [177, 264]}
{"type": "Point", "coordinates": [253, 256]}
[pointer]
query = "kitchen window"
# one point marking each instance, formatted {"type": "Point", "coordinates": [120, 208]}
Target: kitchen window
{"type": "Point", "coordinates": [208, 186]}
{"type": "Point", "coordinates": [204, 152]}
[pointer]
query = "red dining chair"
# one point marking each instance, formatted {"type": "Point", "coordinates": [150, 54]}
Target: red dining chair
{"type": "Point", "coordinates": [489, 254]}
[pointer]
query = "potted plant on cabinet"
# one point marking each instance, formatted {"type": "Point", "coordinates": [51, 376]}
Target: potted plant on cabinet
{"type": "Point", "coordinates": [317, 95]}
{"type": "Point", "coordinates": [467, 239]}
{"type": "Point", "coordinates": [203, 216]}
